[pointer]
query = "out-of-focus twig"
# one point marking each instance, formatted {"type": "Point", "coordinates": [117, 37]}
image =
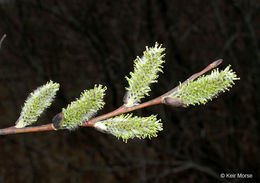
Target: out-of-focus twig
{"type": "Point", "coordinates": [2, 39]}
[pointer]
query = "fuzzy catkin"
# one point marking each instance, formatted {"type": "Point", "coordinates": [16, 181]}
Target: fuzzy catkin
{"type": "Point", "coordinates": [205, 88]}
{"type": "Point", "coordinates": [145, 72]}
{"type": "Point", "coordinates": [128, 127]}
{"type": "Point", "coordinates": [36, 103]}
{"type": "Point", "coordinates": [83, 108]}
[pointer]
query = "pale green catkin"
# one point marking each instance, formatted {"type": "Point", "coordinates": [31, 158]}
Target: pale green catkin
{"type": "Point", "coordinates": [128, 127]}
{"type": "Point", "coordinates": [146, 71]}
{"type": "Point", "coordinates": [83, 108]}
{"type": "Point", "coordinates": [206, 87]}
{"type": "Point", "coordinates": [36, 103]}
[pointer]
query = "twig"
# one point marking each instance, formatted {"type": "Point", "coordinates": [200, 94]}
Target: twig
{"type": "Point", "coordinates": [13, 130]}
{"type": "Point", "coordinates": [2, 39]}
{"type": "Point", "coordinates": [121, 110]}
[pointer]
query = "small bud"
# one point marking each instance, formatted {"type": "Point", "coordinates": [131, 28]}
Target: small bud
{"type": "Point", "coordinates": [126, 97]}
{"type": "Point", "coordinates": [57, 120]}
{"type": "Point", "coordinates": [101, 127]}
{"type": "Point", "coordinates": [173, 102]}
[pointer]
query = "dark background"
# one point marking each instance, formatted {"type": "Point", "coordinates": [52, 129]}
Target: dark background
{"type": "Point", "coordinates": [81, 43]}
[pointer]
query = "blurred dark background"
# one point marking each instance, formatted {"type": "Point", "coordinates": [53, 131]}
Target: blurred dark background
{"type": "Point", "coordinates": [81, 43]}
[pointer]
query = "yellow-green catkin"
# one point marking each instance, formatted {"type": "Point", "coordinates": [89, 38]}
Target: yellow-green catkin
{"type": "Point", "coordinates": [83, 108]}
{"type": "Point", "coordinates": [205, 88]}
{"type": "Point", "coordinates": [128, 126]}
{"type": "Point", "coordinates": [145, 72]}
{"type": "Point", "coordinates": [36, 103]}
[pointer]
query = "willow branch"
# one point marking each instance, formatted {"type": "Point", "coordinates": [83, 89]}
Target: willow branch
{"type": "Point", "coordinates": [121, 110]}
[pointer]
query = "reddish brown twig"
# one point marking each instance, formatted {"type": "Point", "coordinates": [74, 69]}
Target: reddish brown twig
{"type": "Point", "coordinates": [121, 110]}
{"type": "Point", "coordinates": [13, 130]}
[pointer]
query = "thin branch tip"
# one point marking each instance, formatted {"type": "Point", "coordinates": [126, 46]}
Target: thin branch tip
{"type": "Point", "coordinates": [216, 63]}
